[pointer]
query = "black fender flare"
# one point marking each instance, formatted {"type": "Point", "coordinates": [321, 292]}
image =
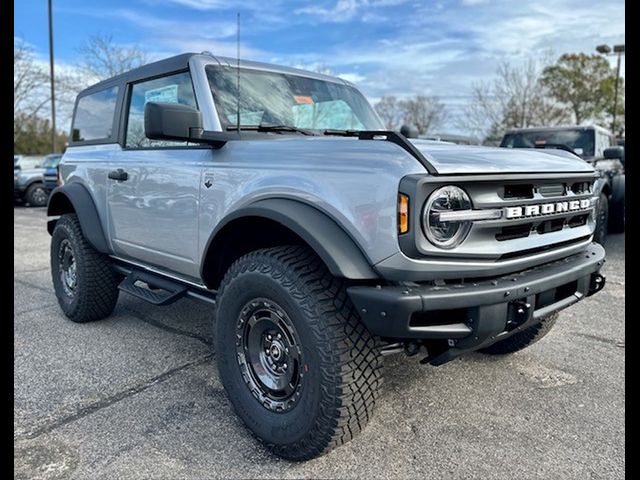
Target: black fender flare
{"type": "Point", "coordinates": [74, 197]}
{"type": "Point", "coordinates": [328, 239]}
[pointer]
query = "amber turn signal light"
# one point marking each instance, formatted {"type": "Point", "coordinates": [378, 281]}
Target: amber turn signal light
{"type": "Point", "coordinates": [403, 213]}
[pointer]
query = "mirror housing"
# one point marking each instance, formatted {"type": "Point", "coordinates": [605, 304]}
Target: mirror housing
{"type": "Point", "coordinates": [409, 131]}
{"type": "Point", "coordinates": [171, 121]}
{"type": "Point", "coordinates": [614, 152]}
{"type": "Point", "coordinates": [174, 121]}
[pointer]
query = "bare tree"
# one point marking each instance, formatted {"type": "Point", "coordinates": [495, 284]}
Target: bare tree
{"type": "Point", "coordinates": [30, 81]}
{"type": "Point", "coordinates": [102, 58]}
{"type": "Point", "coordinates": [388, 109]}
{"type": "Point", "coordinates": [516, 98]}
{"type": "Point", "coordinates": [423, 112]}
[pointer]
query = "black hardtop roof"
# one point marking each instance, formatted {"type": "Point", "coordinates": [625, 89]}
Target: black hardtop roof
{"type": "Point", "coordinates": [181, 62]}
{"type": "Point", "coordinates": [171, 64]}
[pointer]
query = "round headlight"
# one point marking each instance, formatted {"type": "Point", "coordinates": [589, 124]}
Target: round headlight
{"type": "Point", "coordinates": [446, 234]}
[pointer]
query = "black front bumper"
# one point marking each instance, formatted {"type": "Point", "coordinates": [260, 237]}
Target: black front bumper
{"type": "Point", "coordinates": [473, 315]}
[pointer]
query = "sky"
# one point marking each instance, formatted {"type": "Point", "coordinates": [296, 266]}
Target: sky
{"type": "Point", "coordinates": [386, 47]}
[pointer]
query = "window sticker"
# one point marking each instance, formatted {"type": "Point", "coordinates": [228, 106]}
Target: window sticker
{"type": "Point", "coordinates": [167, 94]}
{"type": "Point", "coordinates": [302, 99]}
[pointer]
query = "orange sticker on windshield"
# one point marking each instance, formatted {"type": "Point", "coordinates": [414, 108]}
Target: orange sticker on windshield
{"type": "Point", "coordinates": [302, 99]}
{"type": "Point", "coordinates": [540, 142]}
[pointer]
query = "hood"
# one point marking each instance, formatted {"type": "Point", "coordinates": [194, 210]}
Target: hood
{"type": "Point", "coordinates": [462, 159]}
{"type": "Point", "coordinates": [28, 172]}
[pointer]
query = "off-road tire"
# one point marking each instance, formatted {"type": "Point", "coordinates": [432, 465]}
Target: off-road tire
{"type": "Point", "coordinates": [602, 220]}
{"type": "Point", "coordinates": [522, 339]}
{"type": "Point", "coordinates": [342, 361]}
{"type": "Point", "coordinates": [36, 195]}
{"type": "Point", "coordinates": [616, 206]}
{"type": "Point", "coordinates": [96, 291]}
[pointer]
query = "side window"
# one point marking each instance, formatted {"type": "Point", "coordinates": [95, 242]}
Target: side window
{"type": "Point", "coordinates": [93, 119]}
{"type": "Point", "coordinates": [175, 88]}
{"type": "Point", "coordinates": [602, 142]}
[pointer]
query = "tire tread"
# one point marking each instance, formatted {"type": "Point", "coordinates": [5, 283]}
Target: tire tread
{"type": "Point", "coordinates": [350, 369]}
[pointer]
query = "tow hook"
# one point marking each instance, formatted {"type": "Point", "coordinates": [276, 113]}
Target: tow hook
{"type": "Point", "coordinates": [597, 283]}
{"type": "Point", "coordinates": [519, 312]}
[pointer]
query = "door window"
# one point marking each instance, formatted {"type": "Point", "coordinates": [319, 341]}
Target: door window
{"type": "Point", "coordinates": [176, 88]}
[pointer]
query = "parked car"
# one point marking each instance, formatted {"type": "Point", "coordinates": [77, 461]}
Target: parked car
{"type": "Point", "coordinates": [320, 240]}
{"type": "Point", "coordinates": [28, 181]}
{"type": "Point", "coordinates": [452, 138]}
{"type": "Point", "coordinates": [50, 175]}
{"type": "Point", "coordinates": [597, 146]}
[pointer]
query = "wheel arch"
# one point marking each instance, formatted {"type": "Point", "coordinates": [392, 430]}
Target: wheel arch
{"type": "Point", "coordinates": [279, 222]}
{"type": "Point", "coordinates": [75, 198]}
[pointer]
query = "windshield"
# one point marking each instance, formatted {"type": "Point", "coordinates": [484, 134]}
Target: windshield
{"type": "Point", "coordinates": [580, 141]}
{"type": "Point", "coordinates": [51, 161]}
{"type": "Point", "coordinates": [268, 98]}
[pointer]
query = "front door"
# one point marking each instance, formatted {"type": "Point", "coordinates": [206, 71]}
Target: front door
{"type": "Point", "coordinates": [154, 185]}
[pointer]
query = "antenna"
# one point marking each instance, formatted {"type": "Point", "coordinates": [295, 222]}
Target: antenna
{"type": "Point", "coordinates": [238, 79]}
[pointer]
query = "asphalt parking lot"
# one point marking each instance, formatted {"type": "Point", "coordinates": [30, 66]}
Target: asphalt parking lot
{"type": "Point", "coordinates": [138, 396]}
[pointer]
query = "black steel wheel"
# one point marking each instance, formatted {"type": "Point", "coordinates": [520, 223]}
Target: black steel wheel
{"type": "Point", "coordinates": [85, 284]}
{"type": "Point", "coordinates": [269, 354]}
{"type": "Point", "coordinates": [298, 365]}
{"type": "Point", "coordinates": [68, 268]}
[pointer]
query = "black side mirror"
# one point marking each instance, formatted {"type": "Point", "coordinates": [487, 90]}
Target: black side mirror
{"type": "Point", "coordinates": [171, 121]}
{"type": "Point", "coordinates": [409, 131]}
{"type": "Point", "coordinates": [614, 152]}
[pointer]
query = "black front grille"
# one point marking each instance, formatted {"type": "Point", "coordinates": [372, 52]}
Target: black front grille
{"type": "Point", "coordinates": [518, 192]}
{"type": "Point", "coordinates": [514, 231]}
{"type": "Point", "coordinates": [551, 190]}
{"type": "Point", "coordinates": [549, 226]}
{"type": "Point", "coordinates": [578, 220]}
{"type": "Point", "coordinates": [580, 188]}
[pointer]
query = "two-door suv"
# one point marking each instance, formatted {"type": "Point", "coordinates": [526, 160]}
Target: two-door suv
{"type": "Point", "coordinates": [321, 241]}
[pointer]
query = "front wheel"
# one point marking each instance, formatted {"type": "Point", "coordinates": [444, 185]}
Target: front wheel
{"type": "Point", "coordinates": [297, 364]}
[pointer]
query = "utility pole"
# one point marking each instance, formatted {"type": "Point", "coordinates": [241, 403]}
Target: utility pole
{"type": "Point", "coordinates": [615, 98]}
{"type": "Point", "coordinates": [53, 88]}
{"type": "Point", "coordinates": [606, 50]}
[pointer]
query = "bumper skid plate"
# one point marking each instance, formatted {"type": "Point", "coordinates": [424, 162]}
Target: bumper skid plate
{"type": "Point", "coordinates": [474, 314]}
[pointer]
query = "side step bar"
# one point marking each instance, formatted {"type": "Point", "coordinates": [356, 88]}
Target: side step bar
{"type": "Point", "coordinates": [159, 290]}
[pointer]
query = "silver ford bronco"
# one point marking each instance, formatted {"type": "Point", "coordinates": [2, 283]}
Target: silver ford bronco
{"type": "Point", "coordinates": [322, 241]}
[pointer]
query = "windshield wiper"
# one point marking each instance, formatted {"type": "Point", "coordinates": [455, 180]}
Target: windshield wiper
{"type": "Point", "coordinates": [342, 133]}
{"type": "Point", "coordinates": [266, 127]}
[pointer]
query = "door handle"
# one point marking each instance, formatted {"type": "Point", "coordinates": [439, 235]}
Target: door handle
{"type": "Point", "coordinates": [119, 175]}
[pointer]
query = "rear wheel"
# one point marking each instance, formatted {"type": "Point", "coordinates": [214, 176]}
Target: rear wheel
{"type": "Point", "coordinates": [299, 367]}
{"type": "Point", "coordinates": [85, 284]}
{"type": "Point", "coordinates": [37, 195]}
{"type": "Point", "coordinates": [522, 339]}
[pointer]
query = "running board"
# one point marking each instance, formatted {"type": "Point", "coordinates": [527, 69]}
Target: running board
{"type": "Point", "coordinates": [158, 290]}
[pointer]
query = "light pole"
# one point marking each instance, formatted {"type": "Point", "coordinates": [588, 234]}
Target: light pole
{"type": "Point", "coordinates": [619, 50]}
{"type": "Point", "coordinates": [53, 89]}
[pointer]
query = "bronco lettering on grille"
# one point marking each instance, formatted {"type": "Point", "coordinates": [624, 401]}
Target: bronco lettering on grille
{"type": "Point", "coordinates": [547, 208]}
